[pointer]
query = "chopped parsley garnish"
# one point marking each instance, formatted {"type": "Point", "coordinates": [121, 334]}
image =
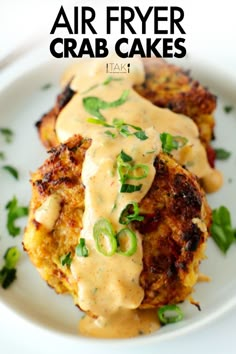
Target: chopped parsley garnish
{"type": "Point", "coordinates": [228, 109]}
{"type": "Point", "coordinates": [222, 154]}
{"type": "Point", "coordinates": [14, 212]}
{"type": "Point", "coordinates": [11, 170]}
{"type": "Point", "coordinates": [109, 133]}
{"type": "Point", "coordinates": [221, 229]}
{"type": "Point", "coordinates": [122, 128]}
{"type": "Point", "coordinates": [105, 82]}
{"type": "Point", "coordinates": [110, 79]}
{"type": "Point", "coordinates": [141, 135]}
{"type": "Point", "coordinates": [66, 259]}
{"type": "Point", "coordinates": [99, 122]}
{"type": "Point", "coordinates": [8, 271]}
{"type": "Point", "coordinates": [7, 134]}
{"type": "Point", "coordinates": [2, 155]}
{"type": "Point", "coordinates": [81, 250]}
{"type": "Point", "coordinates": [46, 86]}
{"type": "Point", "coordinates": [93, 105]}
{"type": "Point", "coordinates": [170, 142]}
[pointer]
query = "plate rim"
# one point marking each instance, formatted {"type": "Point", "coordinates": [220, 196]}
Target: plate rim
{"type": "Point", "coordinates": [9, 79]}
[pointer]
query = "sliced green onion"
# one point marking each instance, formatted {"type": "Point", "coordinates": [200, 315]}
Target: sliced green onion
{"type": "Point", "coordinates": [135, 127]}
{"type": "Point", "coordinates": [66, 259]}
{"type": "Point", "coordinates": [221, 229]}
{"type": "Point", "coordinates": [123, 170]}
{"type": "Point", "coordinates": [222, 154]}
{"type": "Point", "coordinates": [8, 271]}
{"type": "Point", "coordinates": [81, 250]}
{"type": "Point", "coordinates": [12, 170]}
{"type": "Point", "coordinates": [110, 79]}
{"type": "Point", "coordinates": [109, 133]}
{"type": "Point", "coordinates": [7, 276]}
{"type": "Point", "coordinates": [228, 109]}
{"type": "Point", "coordinates": [99, 122]}
{"type": "Point", "coordinates": [123, 165]}
{"type": "Point", "coordinates": [125, 157]}
{"type": "Point", "coordinates": [123, 129]}
{"type": "Point", "coordinates": [104, 237]}
{"type": "Point", "coordinates": [46, 86]}
{"type": "Point", "coordinates": [126, 217]}
{"type": "Point", "coordinates": [127, 242]}
{"type": "Point", "coordinates": [11, 257]}
{"type": "Point", "coordinates": [7, 133]}
{"type": "Point", "coordinates": [119, 124]}
{"type": "Point", "coordinates": [105, 82]}
{"type": "Point", "coordinates": [170, 314]}
{"type": "Point", "coordinates": [138, 171]}
{"type": "Point", "coordinates": [130, 188]}
{"type": "Point", "coordinates": [14, 212]}
{"type": "Point", "coordinates": [93, 105]}
{"type": "Point", "coordinates": [128, 171]}
{"type": "Point", "coordinates": [123, 98]}
{"type": "Point", "coordinates": [170, 142]}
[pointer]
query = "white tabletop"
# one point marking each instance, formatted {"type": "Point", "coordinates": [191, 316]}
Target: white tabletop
{"type": "Point", "coordinates": [211, 37]}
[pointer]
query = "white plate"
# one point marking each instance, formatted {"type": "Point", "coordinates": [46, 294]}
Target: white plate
{"type": "Point", "coordinates": [22, 102]}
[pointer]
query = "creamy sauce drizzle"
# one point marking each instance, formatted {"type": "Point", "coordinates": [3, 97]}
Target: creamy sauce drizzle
{"type": "Point", "coordinates": [48, 213]}
{"type": "Point", "coordinates": [124, 324]}
{"type": "Point", "coordinates": [108, 287]}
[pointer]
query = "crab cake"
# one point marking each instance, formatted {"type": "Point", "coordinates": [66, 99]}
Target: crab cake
{"type": "Point", "coordinates": [169, 86]}
{"type": "Point", "coordinates": [174, 229]}
{"type": "Point", "coordinates": [166, 86]}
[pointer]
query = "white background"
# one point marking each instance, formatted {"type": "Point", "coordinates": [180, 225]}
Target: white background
{"type": "Point", "coordinates": [211, 36]}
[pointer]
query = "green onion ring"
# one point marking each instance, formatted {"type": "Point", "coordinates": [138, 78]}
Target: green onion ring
{"type": "Point", "coordinates": [103, 229]}
{"type": "Point", "coordinates": [11, 257]}
{"type": "Point", "coordinates": [132, 242]}
{"type": "Point", "coordinates": [126, 218]}
{"type": "Point", "coordinates": [164, 319]}
{"type": "Point", "coordinates": [144, 168]}
{"type": "Point", "coordinates": [123, 170]}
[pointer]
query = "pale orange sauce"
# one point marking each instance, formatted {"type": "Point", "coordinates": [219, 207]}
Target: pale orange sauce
{"type": "Point", "coordinates": [124, 324]}
{"type": "Point", "coordinates": [108, 287]}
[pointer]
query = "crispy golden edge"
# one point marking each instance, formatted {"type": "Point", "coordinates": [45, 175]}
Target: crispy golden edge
{"type": "Point", "coordinates": [169, 86]}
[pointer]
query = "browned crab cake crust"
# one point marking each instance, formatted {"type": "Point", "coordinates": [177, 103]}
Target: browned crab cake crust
{"type": "Point", "coordinates": [169, 86]}
{"type": "Point", "coordinates": [174, 229]}
{"type": "Point", "coordinates": [46, 125]}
